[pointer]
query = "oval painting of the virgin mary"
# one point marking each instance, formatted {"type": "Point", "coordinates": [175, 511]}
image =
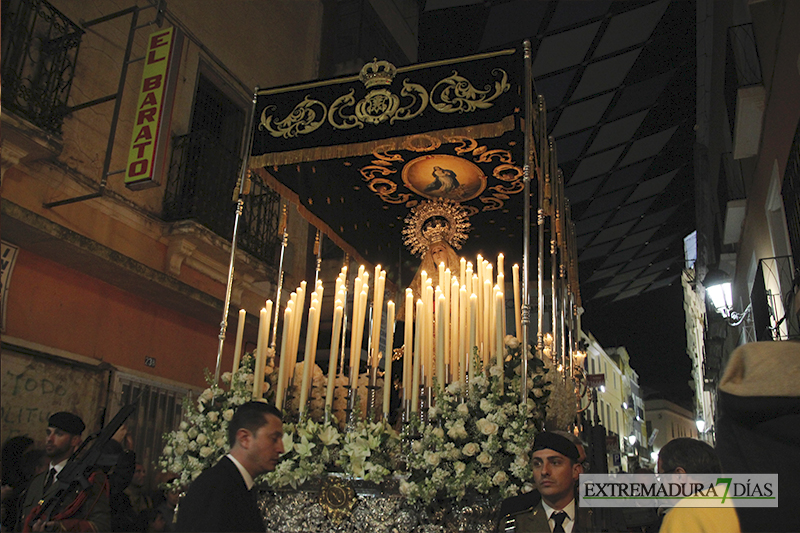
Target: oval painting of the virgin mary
{"type": "Point", "coordinates": [444, 176]}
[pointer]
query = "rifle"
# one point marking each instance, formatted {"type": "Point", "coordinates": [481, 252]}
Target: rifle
{"type": "Point", "coordinates": [81, 465]}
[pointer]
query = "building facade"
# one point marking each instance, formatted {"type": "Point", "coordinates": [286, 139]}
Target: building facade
{"type": "Point", "coordinates": [747, 163]}
{"type": "Point", "coordinates": [114, 286]}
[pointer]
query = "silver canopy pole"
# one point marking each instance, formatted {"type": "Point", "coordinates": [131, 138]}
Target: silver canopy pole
{"type": "Point", "coordinates": [243, 178]}
{"type": "Point", "coordinates": [526, 219]}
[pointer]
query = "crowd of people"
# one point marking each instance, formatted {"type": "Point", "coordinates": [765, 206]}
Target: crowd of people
{"type": "Point", "coordinates": [758, 403]}
{"type": "Point", "coordinates": [117, 499]}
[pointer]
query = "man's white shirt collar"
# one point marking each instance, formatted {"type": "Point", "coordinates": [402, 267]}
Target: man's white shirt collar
{"type": "Point", "coordinates": [248, 479]}
{"type": "Point", "coordinates": [59, 467]}
{"type": "Point", "coordinates": [570, 520]}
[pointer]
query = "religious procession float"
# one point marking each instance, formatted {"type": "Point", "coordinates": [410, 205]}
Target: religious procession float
{"type": "Point", "coordinates": [425, 415]}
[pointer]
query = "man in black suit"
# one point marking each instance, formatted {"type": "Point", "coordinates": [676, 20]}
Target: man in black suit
{"type": "Point", "coordinates": [221, 499]}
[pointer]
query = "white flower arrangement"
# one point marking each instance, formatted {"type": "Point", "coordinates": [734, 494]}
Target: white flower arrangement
{"type": "Point", "coordinates": [481, 441]}
{"type": "Point", "coordinates": [202, 437]}
{"type": "Point", "coordinates": [476, 439]}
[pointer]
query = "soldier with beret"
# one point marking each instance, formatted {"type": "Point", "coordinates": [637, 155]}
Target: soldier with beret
{"type": "Point", "coordinates": [556, 465]}
{"type": "Point", "coordinates": [81, 509]}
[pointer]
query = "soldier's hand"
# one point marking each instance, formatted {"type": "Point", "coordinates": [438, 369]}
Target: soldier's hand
{"type": "Point", "coordinates": [41, 525]}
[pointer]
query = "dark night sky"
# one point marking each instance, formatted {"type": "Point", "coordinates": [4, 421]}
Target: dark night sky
{"type": "Point", "coordinates": [652, 327]}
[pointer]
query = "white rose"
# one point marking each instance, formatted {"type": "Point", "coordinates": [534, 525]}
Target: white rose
{"type": "Point", "coordinates": [220, 442]}
{"type": "Point", "coordinates": [500, 478]}
{"type": "Point", "coordinates": [228, 415]}
{"type": "Point", "coordinates": [213, 417]}
{"type": "Point", "coordinates": [457, 431]}
{"type": "Point", "coordinates": [538, 392]}
{"type": "Point", "coordinates": [459, 467]}
{"type": "Point", "coordinates": [462, 409]}
{"type": "Point", "coordinates": [484, 458]}
{"type": "Point", "coordinates": [167, 450]}
{"type": "Point", "coordinates": [432, 458]}
{"type": "Point", "coordinates": [183, 425]}
{"type": "Point", "coordinates": [202, 439]}
{"type": "Point", "coordinates": [486, 427]}
{"type": "Point", "coordinates": [192, 433]}
{"type": "Point", "coordinates": [486, 405]}
{"type": "Point", "coordinates": [470, 449]}
{"type": "Point", "coordinates": [407, 487]}
{"type": "Point", "coordinates": [512, 342]}
{"type": "Point", "coordinates": [416, 446]}
{"type": "Point", "coordinates": [205, 451]}
{"type": "Point", "coordinates": [496, 371]}
{"type": "Point", "coordinates": [438, 432]}
{"type": "Point", "coordinates": [206, 395]}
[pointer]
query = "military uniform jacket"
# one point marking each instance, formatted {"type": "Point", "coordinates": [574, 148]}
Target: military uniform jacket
{"type": "Point", "coordinates": [80, 510]}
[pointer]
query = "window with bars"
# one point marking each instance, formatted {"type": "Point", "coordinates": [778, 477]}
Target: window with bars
{"type": "Point", "coordinates": [39, 51]}
{"type": "Point", "coordinates": [204, 171]}
{"type": "Point", "coordinates": [160, 410]}
{"type": "Point", "coordinates": [791, 198]}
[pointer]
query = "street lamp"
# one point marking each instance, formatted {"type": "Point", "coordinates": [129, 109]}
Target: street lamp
{"type": "Point", "coordinates": [718, 287]}
{"type": "Point", "coordinates": [701, 425]}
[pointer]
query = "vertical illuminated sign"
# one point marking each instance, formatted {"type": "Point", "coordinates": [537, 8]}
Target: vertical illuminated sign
{"type": "Point", "coordinates": [151, 121]}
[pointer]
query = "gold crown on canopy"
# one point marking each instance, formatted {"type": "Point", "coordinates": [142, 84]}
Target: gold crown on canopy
{"type": "Point", "coordinates": [435, 220]}
{"type": "Point", "coordinates": [377, 73]}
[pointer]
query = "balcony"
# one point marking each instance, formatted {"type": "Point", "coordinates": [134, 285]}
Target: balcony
{"type": "Point", "coordinates": [744, 90]}
{"type": "Point", "coordinates": [791, 197]}
{"type": "Point", "coordinates": [200, 185]}
{"type": "Point", "coordinates": [772, 299]}
{"type": "Point", "coordinates": [39, 50]}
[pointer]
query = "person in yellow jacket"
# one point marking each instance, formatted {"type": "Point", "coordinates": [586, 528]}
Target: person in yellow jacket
{"type": "Point", "coordinates": [692, 456]}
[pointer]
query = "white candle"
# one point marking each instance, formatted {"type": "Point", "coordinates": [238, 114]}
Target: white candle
{"type": "Point", "coordinates": [355, 353]}
{"type": "Point", "coordinates": [408, 337]}
{"type": "Point", "coordinates": [258, 372]}
{"type": "Point", "coordinates": [486, 338]}
{"type": "Point", "coordinates": [282, 366]}
{"type": "Point", "coordinates": [237, 351]}
{"type": "Point", "coordinates": [473, 319]}
{"type": "Point", "coordinates": [377, 312]}
{"type": "Point", "coordinates": [517, 308]}
{"type": "Point", "coordinates": [300, 309]}
{"type": "Point", "coordinates": [417, 359]}
{"type": "Point", "coordinates": [500, 264]}
{"type": "Point", "coordinates": [453, 353]}
{"type": "Point", "coordinates": [387, 377]}
{"type": "Point", "coordinates": [268, 307]}
{"type": "Point", "coordinates": [477, 290]}
{"type": "Point", "coordinates": [462, 337]}
{"type": "Point", "coordinates": [307, 360]}
{"type": "Point", "coordinates": [428, 339]}
{"type": "Point", "coordinates": [353, 328]}
{"type": "Point", "coordinates": [462, 270]}
{"type": "Point", "coordinates": [337, 328]}
{"type": "Point", "coordinates": [499, 330]}
{"type": "Point", "coordinates": [440, 333]}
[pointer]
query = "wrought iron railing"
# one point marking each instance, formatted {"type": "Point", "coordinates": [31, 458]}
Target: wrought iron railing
{"type": "Point", "coordinates": [772, 298]}
{"type": "Point", "coordinates": [202, 178]}
{"type": "Point", "coordinates": [742, 65]}
{"type": "Point", "coordinates": [39, 51]}
{"type": "Point", "coordinates": [791, 196]}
